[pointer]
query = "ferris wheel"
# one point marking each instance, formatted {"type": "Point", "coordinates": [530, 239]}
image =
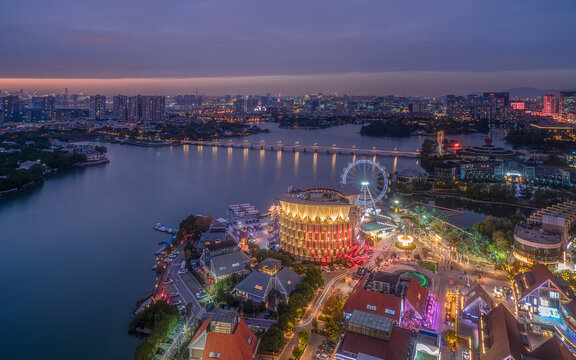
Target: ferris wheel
{"type": "Point", "coordinates": [368, 176]}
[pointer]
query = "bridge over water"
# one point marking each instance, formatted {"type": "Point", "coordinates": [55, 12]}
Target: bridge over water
{"type": "Point", "coordinates": [297, 147]}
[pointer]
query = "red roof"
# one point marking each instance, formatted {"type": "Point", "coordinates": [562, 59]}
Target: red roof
{"type": "Point", "coordinates": [201, 329]}
{"type": "Point", "coordinates": [396, 349]}
{"type": "Point", "coordinates": [373, 302]}
{"type": "Point", "coordinates": [417, 296]}
{"type": "Point", "coordinates": [230, 346]}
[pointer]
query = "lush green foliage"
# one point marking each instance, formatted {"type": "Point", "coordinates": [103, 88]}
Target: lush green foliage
{"type": "Point", "coordinates": [192, 227]}
{"type": "Point", "coordinates": [261, 254]}
{"type": "Point", "coordinates": [334, 304]}
{"type": "Point", "coordinates": [273, 339]}
{"type": "Point", "coordinates": [161, 318]}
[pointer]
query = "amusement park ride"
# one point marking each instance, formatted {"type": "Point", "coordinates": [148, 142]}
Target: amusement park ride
{"type": "Point", "coordinates": [371, 179]}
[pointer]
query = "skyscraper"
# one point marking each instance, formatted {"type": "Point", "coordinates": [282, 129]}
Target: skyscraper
{"type": "Point", "coordinates": [549, 104]}
{"type": "Point", "coordinates": [12, 108]}
{"type": "Point", "coordinates": [120, 107]}
{"type": "Point", "coordinates": [146, 108]}
{"type": "Point", "coordinates": [43, 108]}
{"type": "Point", "coordinates": [153, 108]}
{"type": "Point", "coordinates": [498, 99]}
{"type": "Point", "coordinates": [97, 107]}
{"type": "Point", "coordinates": [457, 108]}
{"type": "Point", "coordinates": [567, 105]}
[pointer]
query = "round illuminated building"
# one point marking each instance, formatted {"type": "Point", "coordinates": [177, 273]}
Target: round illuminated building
{"type": "Point", "coordinates": [318, 222]}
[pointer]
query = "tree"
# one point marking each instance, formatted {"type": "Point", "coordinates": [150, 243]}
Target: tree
{"type": "Point", "coordinates": [298, 351]}
{"type": "Point", "coordinates": [272, 339]}
{"type": "Point", "coordinates": [335, 326]}
{"type": "Point", "coordinates": [303, 337]}
{"type": "Point", "coordinates": [334, 304]}
{"type": "Point", "coordinates": [314, 325]}
{"type": "Point", "coordinates": [314, 276]}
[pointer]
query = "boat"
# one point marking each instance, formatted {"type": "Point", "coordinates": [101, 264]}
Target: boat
{"type": "Point", "coordinates": [165, 228]}
{"type": "Point", "coordinates": [167, 241]}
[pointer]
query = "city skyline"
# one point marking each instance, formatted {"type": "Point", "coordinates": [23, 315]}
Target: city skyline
{"type": "Point", "coordinates": [380, 84]}
{"type": "Point", "coordinates": [223, 47]}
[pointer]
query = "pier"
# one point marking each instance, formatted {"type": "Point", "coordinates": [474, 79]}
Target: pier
{"type": "Point", "coordinates": [296, 147]}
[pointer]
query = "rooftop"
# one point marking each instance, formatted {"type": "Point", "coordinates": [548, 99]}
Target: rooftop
{"type": "Point", "coordinates": [396, 349]}
{"type": "Point", "coordinates": [370, 320]}
{"type": "Point", "coordinates": [373, 302]}
{"type": "Point", "coordinates": [344, 190]}
{"type": "Point", "coordinates": [534, 233]}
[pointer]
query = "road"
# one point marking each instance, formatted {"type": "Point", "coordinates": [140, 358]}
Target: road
{"type": "Point", "coordinates": [330, 280]}
{"type": "Point", "coordinates": [187, 297]}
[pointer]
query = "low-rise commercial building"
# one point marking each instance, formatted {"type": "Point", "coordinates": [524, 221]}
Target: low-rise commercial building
{"type": "Point", "coordinates": [223, 336]}
{"type": "Point", "coordinates": [270, 284]}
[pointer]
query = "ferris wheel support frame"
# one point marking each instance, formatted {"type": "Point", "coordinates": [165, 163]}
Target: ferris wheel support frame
{"type": "Point", "coordinates": [365, 184]}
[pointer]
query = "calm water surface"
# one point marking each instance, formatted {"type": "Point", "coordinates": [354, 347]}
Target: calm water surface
{"type": "Point", "coordinates": [77, 252]}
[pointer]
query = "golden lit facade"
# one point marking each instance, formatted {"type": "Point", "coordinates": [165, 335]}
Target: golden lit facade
{"type": "Point", "coordinates": [319, 223]}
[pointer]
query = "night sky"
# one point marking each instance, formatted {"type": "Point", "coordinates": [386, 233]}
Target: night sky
{"type": "Point", "coordinates": [420, 47]}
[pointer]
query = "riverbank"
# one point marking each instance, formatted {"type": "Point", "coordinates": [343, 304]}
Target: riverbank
{"type": "Point", "coordinates": [464, 198]}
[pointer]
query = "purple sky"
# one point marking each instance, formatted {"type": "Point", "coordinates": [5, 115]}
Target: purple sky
{"type": "Point", "coordinates": [420, 47]}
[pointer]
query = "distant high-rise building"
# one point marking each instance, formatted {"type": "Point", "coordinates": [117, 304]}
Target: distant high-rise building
{"type": "Point", "coordinates": [153, 108]}
{"type": "Point", "coordinates": [146, 108]}
{"type": "Point", "coordinates": [549, 104]}
{"type": "Point", "coordinates": [457, 108]}
{"type": "Point", "coordinates": [43, 108]}
{"type": "Point", "coordinates": [120, 107]}
{"type": "Point", "coordinates": [498, 99]}
{"type": "Point", "coordinates": [567, 105]}
{"type": "Point", "coordinates": [418, 107]}
{"type": "Point", "coordinates": [97, 107]}
{"type": "Point", "coordinates": [12, 109]}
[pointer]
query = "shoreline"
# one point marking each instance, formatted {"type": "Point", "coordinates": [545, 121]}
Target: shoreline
{"type": "Point", "coordinates": [32, 185]}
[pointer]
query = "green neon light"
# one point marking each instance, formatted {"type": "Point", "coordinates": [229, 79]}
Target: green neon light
{"type": "Point", "coordinates": [424, 279]}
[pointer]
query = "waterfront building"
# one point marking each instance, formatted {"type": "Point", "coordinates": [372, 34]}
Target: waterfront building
{"type": "Point", "coordinates": [567, 105]}
{"type": "Point", "coordinates": [97, 107]}
{"type": "Point", "coordinates": [271, 284]}
{"type": "Point", "coordinates": [413, 177]}
{"type": "Point", "coordinates": [223, 336]}
{"type": "Point", "coordinates": [319, 222]}
{"type": "Point", "coordinates": [120, 107]}
{"type": "Point", "coordinates": [447, 171]}
{"type": "Point", "coordinates": [481, 170]}
{"type": "Point", "coordinates": [12, 109]}
{"type": "Point", "coordinates": [542, 237]}
{"type": "Point", "coordinates": [225, 265]}
{"type": "Point", "coordinates": [553, 130]}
